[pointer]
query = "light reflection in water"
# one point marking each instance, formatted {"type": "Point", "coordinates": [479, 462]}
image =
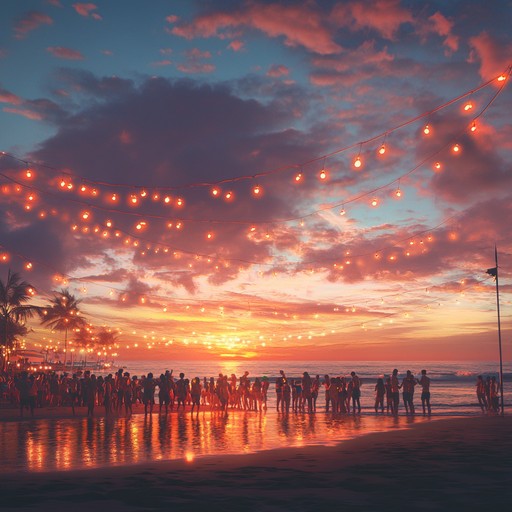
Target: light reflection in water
{"type": "Point", "coordinates": [48, 445]}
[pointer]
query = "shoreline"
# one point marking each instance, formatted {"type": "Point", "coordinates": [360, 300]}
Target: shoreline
{"type": "Point", "coordinates": [458, 463]}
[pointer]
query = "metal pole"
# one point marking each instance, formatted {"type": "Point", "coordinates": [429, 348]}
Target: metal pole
{"type": "Point", "coordinates": [499, 331]}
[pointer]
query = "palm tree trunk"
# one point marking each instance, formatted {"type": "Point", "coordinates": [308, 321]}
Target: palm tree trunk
{"type": "Point", "coordinates": [65, 347]}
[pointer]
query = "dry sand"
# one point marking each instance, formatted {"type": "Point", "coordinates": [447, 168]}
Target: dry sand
{"type": "Point", "coordinates": [448, 465]}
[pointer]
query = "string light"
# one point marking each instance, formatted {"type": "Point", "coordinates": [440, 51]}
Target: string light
{"type": "Point", "coordinates": [426, 129]}
{"type": "Point", "coordinates": [374, 202]}
{"type": "Point", "coordinates": [382, 149]}
{"type": "Point", "coordinates": [473, 126]}
{"type": "Point", "coordinates": [215, 192]}
{"type": "Point", "coordinates": [468, 106]}
{"type": "Point", "coordinates": [357, 162]}
{"type": "Point", "coordinates": [256, 191]}
{"type": "Point", "coordinates": [501, 78]}
{"type": "Point", "coordinates": [298, 177]}
{"type": "Point", "coordinates": [437, 166]}
{"type": "Point", "coordinates": [456, 148]}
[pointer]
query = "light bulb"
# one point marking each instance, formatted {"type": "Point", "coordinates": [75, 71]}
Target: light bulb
{"type": "Point", "coordinates": [437, 166]}
{"type": "Point", "coordinates": [382, 149]}
{"type": "Point", "coordinates": [398, 193]}
{"type": "Point", "coordinates": [473, 127]}
{"type": "Point", "coordinates": [468, 106]}
{"type": "Point", "coordinates": [501, 78]}
{"type": "Point", "coordinates": [357, 162]}
{"type": "Point", "coordinates": [342, 212]}
{"type": "Point", "coordinates": [298, 177]}
{"type": "Point", "coordinates": [215, 192]}
{"type": "Point", "coordinates": [426, 130]}
{"type": "Point", "coordinates": [323, 174]}
{"type": "Point", "coordinates": [456, 148]}
{"type": "Point", "coordinates": [256, 190]}
{"type": "Point", "coordinates": [374, 202]}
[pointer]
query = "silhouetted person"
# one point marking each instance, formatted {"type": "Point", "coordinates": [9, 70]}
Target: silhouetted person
{"type": "Point", "coordinates": [424, 382]}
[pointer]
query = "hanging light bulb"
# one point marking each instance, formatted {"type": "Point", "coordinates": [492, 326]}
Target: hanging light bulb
{"type": "Point", "coordinates": [342, 212]}
{"type": "Point", "coordinates": [473, 126]}
{"type": "Point", "coordinates": [323, 174]}
{"type": "Point", "coordinates": [256, 191]}
{"type": "Point", "coordinates": [215, 192]}
{"type": "Point", "coordinates": [456, 148]}
{"type": "Point", "coordinates": [374, 202]}
{"type": "Point", "coordinates": [398, 193]}
{"type": "Point", "coordinates": [437, 166]}
{"type": "Point", "coordinates": [426, 130]}
{"type": "Point", "coordinates": [298, 177]}
{"type": "Point", "coordinates": [501, 78]}
{"type": "Point", "coordinates": [229, 195]}
{"type": "Point", "coordinates": [382, 149]}
{"type": "Point", "coordinates": [29, 173]}
{"type": "Point", "coordinates": [468, 106]}
{"type": "Point", "coordinates": [357, 162]}
{"type": "Point", "coordinates": [167, 199]}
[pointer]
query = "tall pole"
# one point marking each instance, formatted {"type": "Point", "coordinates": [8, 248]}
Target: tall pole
{"type": "Point", "coordinates": [499, 330]}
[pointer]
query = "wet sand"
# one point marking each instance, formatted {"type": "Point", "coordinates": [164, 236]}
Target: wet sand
{"type": "Point", "coordinates": [452, 464]}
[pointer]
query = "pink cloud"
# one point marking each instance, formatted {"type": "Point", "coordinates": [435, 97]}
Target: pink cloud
{"type": "Point", "coordinates": [236, 45]}
{"type": "Point", "coordinates": [9, 97]}
{"type": "Point", "coordinates": [165, 62]}
{"type": "Point", "coordinates": [277, 70]}
{"type": "Point", "coordinates": [195, 62]}
{"type": "Point", "coordinates": [299, 25]}
{"type": "Point", "coordinates": [494, 56]}
{"type": "Point", "coordinates": [351, 67]}
{"type": "Point", "coordinates": [442, 26]}
{"type": "Point", "coordinates": [172, 18]}
{"type": "Point", "coordinates": [65, 53]}
{"type": "Point", "coordinates": [29, 114]}
{"type": "Point", "coordinates": [384, 16]}
{"type": "Point", "coordinates": [30, 21]}
{"type": "Point", "coordinates": [86, 10]}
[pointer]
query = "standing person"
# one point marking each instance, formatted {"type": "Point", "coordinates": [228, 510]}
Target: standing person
{"type": "Point", "coordinates": [23, 386]}
{"type": "Point", "coordinates": [279, 388]}
{"type": "Point", "coordinates": [286, 397]}
{"type": "Point", "coordinates": [148, 393]}
{"type": "Point", "coordinates": [356, 392]}
{"type": "Point", "coordinates": [389, 395]}
{"type": "Point", "coordinates": [195, 393]}
{"type": "Point", "coordinates": [424, 382]}
{"type": "Point", "coordinates": [164, 393]}
{"type": "Point", "coordinates": [327, 384]}
{"type": "Point", "coordinates": [125, 385]}
{"type": "Point", "coordinates": [380, 391]}
{"type": "Point", "coordinates": [264, 390]}
{"type": "Point", "coordinates": [494, 404]}
{"type": "Point", "coordinates": [314, 390]}
{"type": "Point", "coordinates": [74, 385]}
{"type": "Point", "coordinates": [307, 396]}
{"type": "Point", "coordinates": [408, 384]}
{"type": "Point", "coordinates": [181, 391]}
{"type": "Point", "coordinates": [395, 392]}
{"type": "Point", "coordinates": [480, 393]}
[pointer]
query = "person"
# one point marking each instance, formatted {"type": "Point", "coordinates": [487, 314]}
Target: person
{"type": "Point", "coordinates": [286, 397]}
{"type": "Point", "coordinates": [395, 392]}
{"type": "Point", "coordinates": [125, 385]}
{"type": "Point", "coordinates": [109, 390]}
{"type": "Point", "coordinates": [264, 390]}
{"type": "Point", "coordinates": [408, 384]}
{"type": "Point", "coordinates": [494, 404]}
{"type": "Point", "coordinates": [314, 390]}
{"type": "Point", "coordinates": [327, 385]}
{"type": "Point", "coordinates": [279, 388]}
{"type": "Point", "coordinates": [307, 392]}
{"type": "Point", "coordinates": [389, 395]}
{"type": "Point", "coordinates": [148, 393]}
{"type": "Point", "coordinates": [424, 382]}
{"type": "Point", "coordinates": [356, 392]}
{"type": "Point", "coordinates": [480, 393]}
{"type": "Point", "coordinates": [181, 391]}
{"type": "Point", "coordinates": [380, 391]}
{"type": "Point", "coordinates": [23, 385]}
{"type": "Point", "coordinates": [195, 393]}
{"type": "Point", "coordinates": [164, 393]}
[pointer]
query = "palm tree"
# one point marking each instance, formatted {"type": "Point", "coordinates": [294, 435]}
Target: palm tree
{"type": "Point", "coordinates": [63, 314]}
{"type": "Point", "coordinates": [13, 312]}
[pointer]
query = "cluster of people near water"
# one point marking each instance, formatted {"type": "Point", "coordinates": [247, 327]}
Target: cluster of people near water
{"type": "Point", "coordinates": [487, 392]}
{"type": "Point", "coordinates": [118, 393]}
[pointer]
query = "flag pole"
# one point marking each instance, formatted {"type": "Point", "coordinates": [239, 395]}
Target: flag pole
{"type": "Point", "coordinates": [499, 330]}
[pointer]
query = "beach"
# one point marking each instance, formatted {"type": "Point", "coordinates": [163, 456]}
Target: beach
{"type": "Point", "coordinates": [447, 464]}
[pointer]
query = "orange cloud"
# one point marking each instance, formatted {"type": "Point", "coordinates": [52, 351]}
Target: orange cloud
{"type": "Point", "coordinates": [236, 45]}
{"type": "Point", "coordinates": [277, 70]}
{"type": "Point", "coordinates": [383, 16]}
{"type": "Point", "coordinates": [493, 55]}
{"type": "Point", "coordinates": [299, 25]}
{"type": "Point", "coordinates": [30, 21]}
{"type": "Point", "coordinates": [442, 26]}
{"type": "Point", "coordinates": [29, 114]}
{"type": "Point", "coordinates": [9, 97]}
{"type": "Point", "coordinates": [86, 10]}
{"type": "Point", "coordinates": [65, 53]}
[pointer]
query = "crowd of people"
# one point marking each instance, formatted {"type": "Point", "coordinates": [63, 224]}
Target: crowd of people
{"type": "Point", "coordinates": [118, 393]}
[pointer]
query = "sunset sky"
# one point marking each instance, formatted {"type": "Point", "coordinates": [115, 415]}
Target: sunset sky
{"type": "Point", "coordinates": [163, 161]}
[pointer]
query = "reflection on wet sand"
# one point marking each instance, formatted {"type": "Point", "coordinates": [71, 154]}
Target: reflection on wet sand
{"type": "Point", "coordinates": [51, 444]}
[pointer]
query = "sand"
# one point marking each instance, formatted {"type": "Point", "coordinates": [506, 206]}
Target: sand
{"type": "Point", "coordinates": [452, 464]}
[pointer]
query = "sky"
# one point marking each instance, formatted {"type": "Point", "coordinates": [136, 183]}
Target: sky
{"type": "Point", "coordinates": [275, 180]}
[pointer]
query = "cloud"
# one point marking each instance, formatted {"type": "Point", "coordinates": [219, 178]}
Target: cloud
{"type": "Point", "coordinates": [65, 53]}
{"type": "Point", "coordinates": [29, 22]}
{"type": "Point", "coordinates": [86, 10]}
{"type": "Point", "coordinates": [492, 53]}
{"type": "Point", "coordinates": [9, 97]}
{"type": "Point", "coordinates": [299, 25]}
{"type": "Point", "coordinates": [278, 70]}
{"type": "Point", "coordinates": [352, 67]}
{"type": "Point", "coordinates": [384, 16]}
{"type": "Point", "coordinates": [29, 114]}
{"type": "Point", "coordinates": [236, 45]}
{"type": "Point", "coordinates": [194, 62]}
{"type": "Point", "coordinates": [160, 63]}
{"type": "Point", "coordinates": [443, 27]}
